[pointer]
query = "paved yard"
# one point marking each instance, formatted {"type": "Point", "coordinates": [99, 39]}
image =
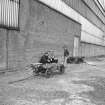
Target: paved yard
{"type": "Point", "coordinates": [81, 84]}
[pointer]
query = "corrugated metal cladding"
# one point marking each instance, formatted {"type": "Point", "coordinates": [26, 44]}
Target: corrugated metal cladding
{"type": "Point", "coordinates": [88, 50]}
{"type": "Point", "coordinates": [102, 2]}
{"type": "Point", "coordinates": [9, 13]}
{"type": "Point", "coordinates": [94, 14]}
{"type": "Point", "coordinates": [93, 6]}
{"type": "Point", "coordinates": [77, 4]}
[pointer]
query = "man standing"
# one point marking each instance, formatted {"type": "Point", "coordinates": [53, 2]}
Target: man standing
{"type": "Point", "coordinates": [66, 53]}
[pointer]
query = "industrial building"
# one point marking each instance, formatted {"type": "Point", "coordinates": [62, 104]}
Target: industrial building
{"type": "Point", "coordinates": [49, 25]}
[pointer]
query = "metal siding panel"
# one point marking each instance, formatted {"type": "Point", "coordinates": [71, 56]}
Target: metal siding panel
{"type": "Point", "coordinates": [9, 13]}
{"type": "Point", "coordinates": [94, 8]}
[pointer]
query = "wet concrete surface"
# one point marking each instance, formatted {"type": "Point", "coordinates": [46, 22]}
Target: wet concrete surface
{"type": "Point", "coordinates": [81, 84]}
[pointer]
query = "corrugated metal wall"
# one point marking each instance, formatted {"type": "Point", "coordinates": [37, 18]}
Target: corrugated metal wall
{"type": "Point", "coordinates": [9, 13]}
{"type": "Point", "coordinates": [88, 13]}
{"type": "Point", "coordinates": [96, 10]}
{"type": "Point", "coordinates": [91, 49]}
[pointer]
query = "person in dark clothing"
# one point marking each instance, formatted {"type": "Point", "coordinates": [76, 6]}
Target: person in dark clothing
{"type": "Point", "coordinates": [66, 53]}
{"type": "Point", "coordinates": [48, 57]}
{"type": "Point", "coordinates": [45, 59]}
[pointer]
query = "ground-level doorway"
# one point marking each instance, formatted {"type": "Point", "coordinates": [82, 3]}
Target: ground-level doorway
{"type": "Point", "coordinates": [76, 46]}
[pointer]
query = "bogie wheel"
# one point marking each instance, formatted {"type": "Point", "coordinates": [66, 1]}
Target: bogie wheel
{"type": "Point", "coordinates": [62, 69]}
{"type": "Point", "coordinates": [48, 73]}
{"type": "Point", "coordinates": [35, 71]}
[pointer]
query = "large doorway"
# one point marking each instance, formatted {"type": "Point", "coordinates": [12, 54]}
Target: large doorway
{"type": "Point", "coordinates": [76, 46]}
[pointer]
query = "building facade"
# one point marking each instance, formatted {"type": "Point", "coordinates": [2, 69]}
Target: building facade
{"type": "Point", "coordinates": [51, 24]}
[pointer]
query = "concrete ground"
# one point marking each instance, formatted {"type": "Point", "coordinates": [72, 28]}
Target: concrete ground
{"type": "Point", "coordinates": [81, 84]}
